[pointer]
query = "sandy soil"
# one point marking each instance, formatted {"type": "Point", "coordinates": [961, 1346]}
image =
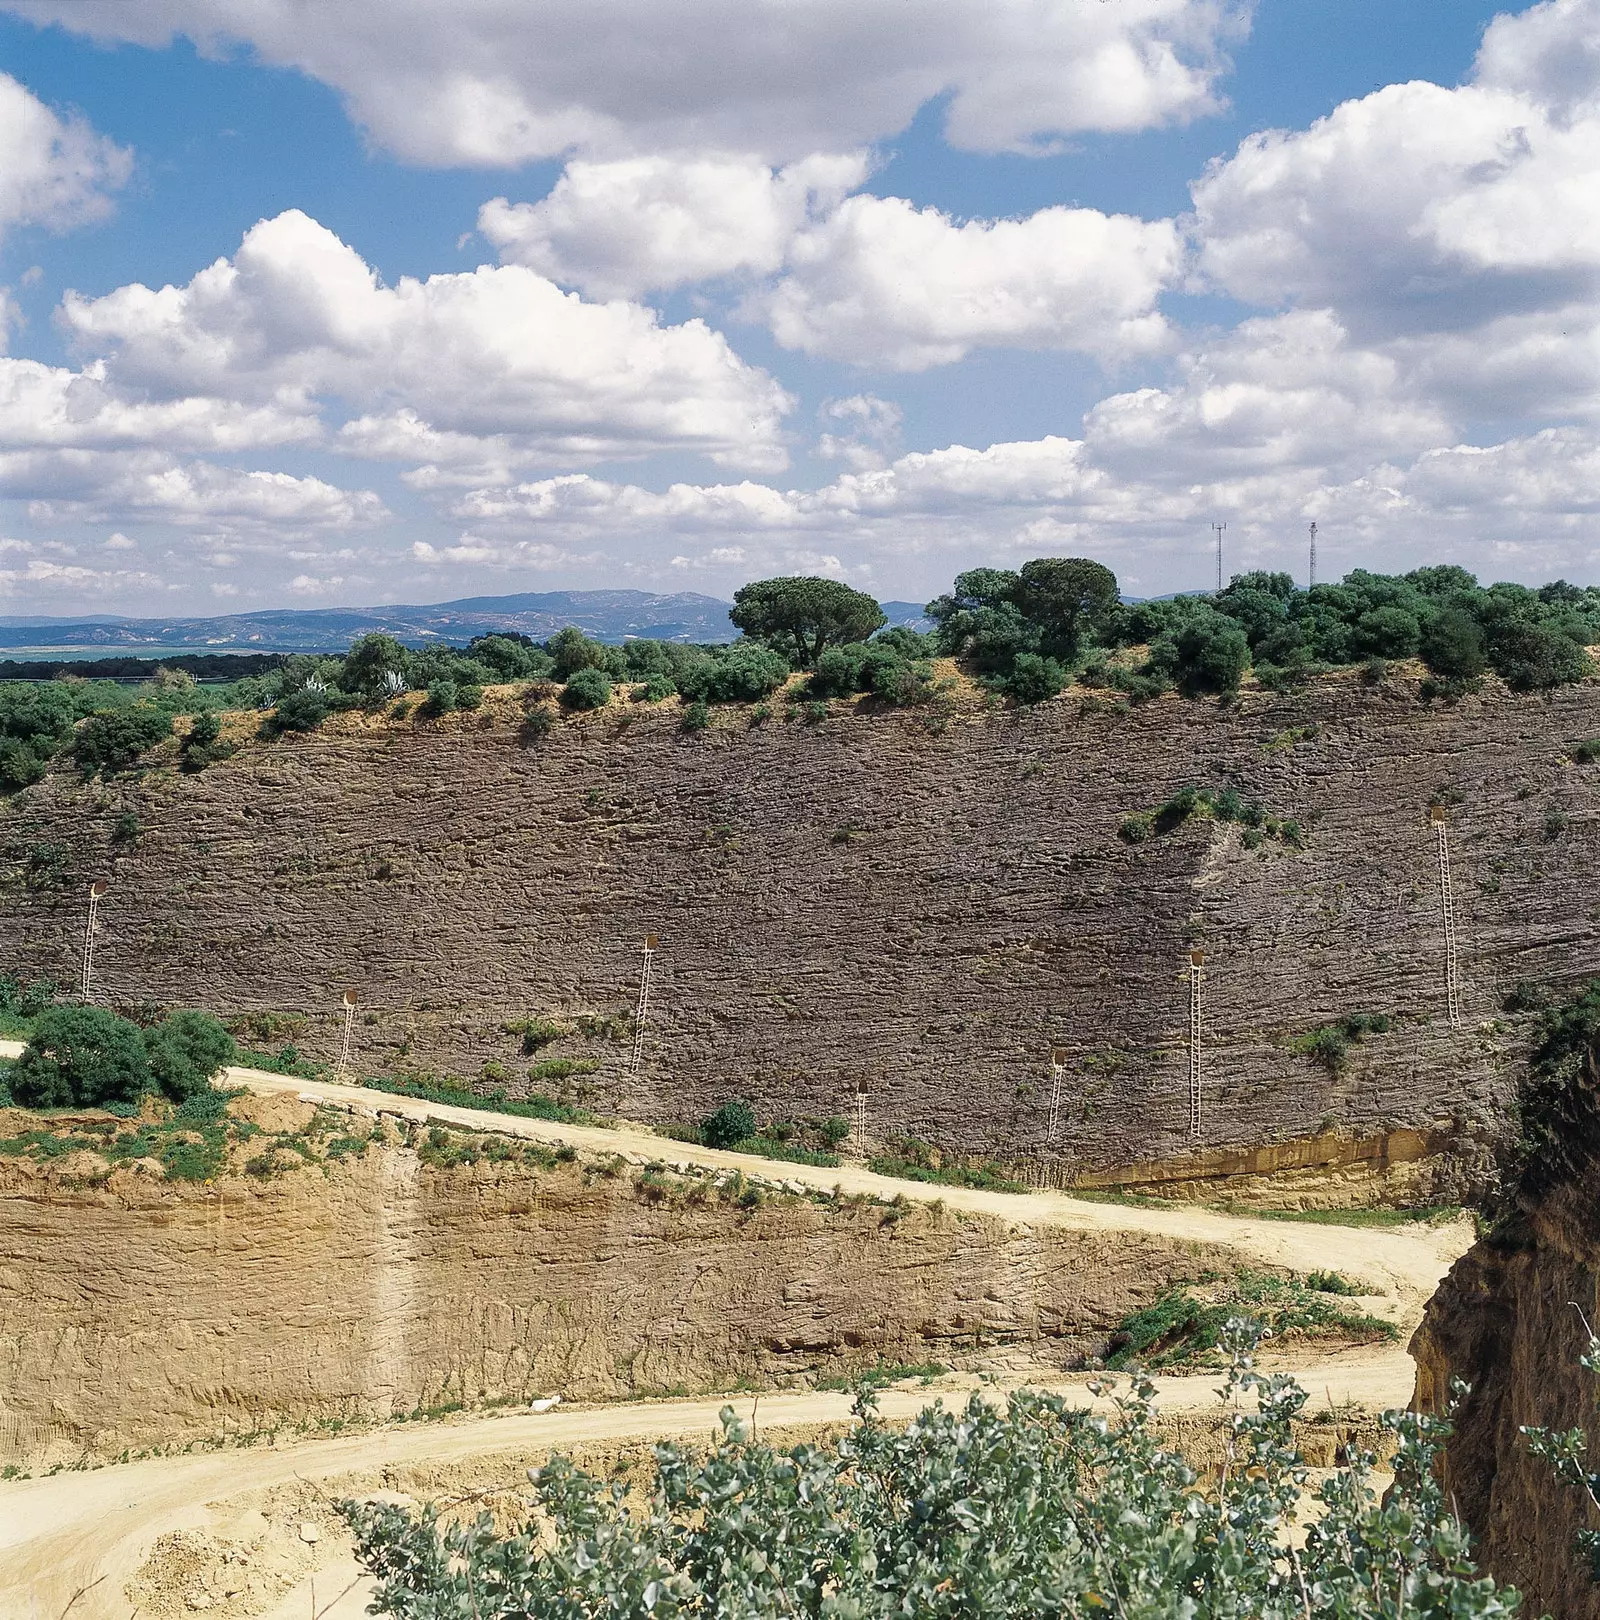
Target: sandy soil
{"type": "Point", "coordinates": [202, 1524]}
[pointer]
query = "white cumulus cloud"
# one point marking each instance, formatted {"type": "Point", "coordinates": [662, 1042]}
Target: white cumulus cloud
{"type": "Point", "coordinates": [882, 282]}
{"type": "Point", "coordinates": [505, 81]}
{"type": "Point", "coordinates": [495, 361]}
{"type": "Point", "coordinates": [55, 171]}
{"type": "Point", "coordinates": [636, 225]}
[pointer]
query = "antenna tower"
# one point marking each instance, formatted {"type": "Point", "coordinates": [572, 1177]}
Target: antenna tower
{"type": "Point", "coordinates": [1452, 974]}
{"type": "Point", "coordinates": [1197, 973]}
{"type": "Point", "coordinates": [1219, 528]}
{"type": "Point", "coordinates": [347, 1045]}
{"type": "Point", "coordinates": [641, 1011]}
{"type": "Point", "coordinates": [1313, 572]}
{"type": "Point", "coordinates": [90, 929]}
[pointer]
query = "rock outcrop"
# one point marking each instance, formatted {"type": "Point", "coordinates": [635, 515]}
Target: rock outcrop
{"type": "Point", "coordinates": [920, 915]}
{"type": "Point", "coordinates": [137, 1312]}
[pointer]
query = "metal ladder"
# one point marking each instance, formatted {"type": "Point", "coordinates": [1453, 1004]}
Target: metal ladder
{"type": "Point", "coordinates": [1197, 973]}
{"type": "Point", "coordinates": [1452, 971]}
{"type": "Point", "coordinates": [642, 1009]}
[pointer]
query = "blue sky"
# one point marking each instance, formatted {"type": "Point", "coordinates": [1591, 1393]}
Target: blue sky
{"type": "Point", "coordinates": [1030, 281]}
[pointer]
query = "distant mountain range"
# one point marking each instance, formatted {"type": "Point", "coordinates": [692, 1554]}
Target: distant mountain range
{"type": "Point", "coordinates": [605, 615]}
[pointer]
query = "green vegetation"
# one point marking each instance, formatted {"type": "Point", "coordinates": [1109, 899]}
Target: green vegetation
{"type": "Point", "coordinates": [1558, 1110]}
{"type": "Point", "coordinates": [886, 1373]}
{"type": "Point", "coordinates": [111, 740]}
{"type": "Point", "coordinates": [1181, 1328]}
{"type": "Point", "coordinates": [912, 1159]}
{"type": "Point", "coordinates": [494, 1102]}
{"type": "Point", "coordinates": [734, 1121]}
{"type": "Point", "coordinates": [733, 1128]}
{"type": "Point", "coordinates": [802, 617]}
{"type": "Point", "coordinates": [1207, 642]}
{"type": "Point", "coordinates": [1034, 1509]}
{"type": "Point", "coordinates": [1202, 803]}
{"type": "Point", "coordinates": [1329, 1044]}
{"type": "Point", "coordinates": [202, 744]}
{"type": "Point", "coordinates": [86, 1057]}
{"type": "Point", "coordinates": [586, 689]}
{"type": "Point", "coordinates": [21, 1003]}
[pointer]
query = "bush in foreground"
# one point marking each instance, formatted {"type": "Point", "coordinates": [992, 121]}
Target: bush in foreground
{"type": "Point", "coordinates": [185, 1050]}
{"type": "Point", "coordinates": [86, 1057]}
{"type": "Point", "coordinates": [1033, 1510]}
{"type": "Point", "coordinates": [81, 1057]}
{"type": "Point", "coordinates": [731, 1123]}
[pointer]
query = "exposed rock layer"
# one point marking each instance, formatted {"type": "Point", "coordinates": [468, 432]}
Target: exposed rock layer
{"type": "Point", "coordinates": [143, 1312]}
{"type": "Point", "coordinates": [868, 905]}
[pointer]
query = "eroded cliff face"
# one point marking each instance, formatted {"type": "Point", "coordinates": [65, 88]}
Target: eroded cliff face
{"type": "Point", "coordinates": [868, 905]}
{"type": "Point", "coordinates": [1511, 1320]}
{"type": "Point", "coordinates": [140, 1312]}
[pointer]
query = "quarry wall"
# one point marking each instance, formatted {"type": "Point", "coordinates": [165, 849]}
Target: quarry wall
{"type": "Point", "coordinates": [139, 1312]}
{"type": "Point", "coordinates": [873, 904]}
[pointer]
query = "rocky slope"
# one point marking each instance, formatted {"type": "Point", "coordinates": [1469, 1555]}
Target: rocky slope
{"type": "Point", "coordinates": [916, 910]}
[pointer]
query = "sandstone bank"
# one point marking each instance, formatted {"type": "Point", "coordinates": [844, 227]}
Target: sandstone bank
{"type": "Point", "coordinates": [137, 1312]}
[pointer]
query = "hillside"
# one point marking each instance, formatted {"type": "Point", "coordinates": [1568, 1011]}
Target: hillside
{"type": "Point", "coordinates": [914, 912]}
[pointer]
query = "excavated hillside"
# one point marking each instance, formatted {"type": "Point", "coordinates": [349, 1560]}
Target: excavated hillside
{"type": "Point", "coordinates": [411, 1276]}
{"type": "Point", "coordinates": [912, 909]}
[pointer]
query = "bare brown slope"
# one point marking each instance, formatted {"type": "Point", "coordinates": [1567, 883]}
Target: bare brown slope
{"type": "Point", "coordinates": [865, 904]}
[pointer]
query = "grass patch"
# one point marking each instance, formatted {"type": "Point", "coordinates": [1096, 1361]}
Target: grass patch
{"type": "Point", "coordinates": [1183, 1328]}
{"type": "Point", "coordinates": [881, 1376]}
{"type": "Point", "coordinates": [190, 1144]}
{"type": "Point", "coordinates": [493, 1102]}
{"type": "Point", "coordinates": [1203, 803]}
{"type": "Point", "coordinates": [983, 1177]}
{"type": "Point", "coordinates": [1432, 1214]}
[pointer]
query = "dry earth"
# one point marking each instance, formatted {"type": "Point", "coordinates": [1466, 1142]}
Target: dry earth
{"type": "Point", "coordinates": [249, 1532]}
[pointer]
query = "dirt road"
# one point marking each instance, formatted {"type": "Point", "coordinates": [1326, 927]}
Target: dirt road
{"type": "Point", "coordinates": [75, 1540]}
{"type": "Point", "coordinates": [1403, 1264]}
{"type": "Point", "coordinates": [89, 1533]}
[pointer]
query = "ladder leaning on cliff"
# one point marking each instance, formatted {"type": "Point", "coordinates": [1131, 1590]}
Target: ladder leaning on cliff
{"type": "Point", "coordinates": [1197, 973]}
{"type": "Point", "coordinates": [1452, 972]}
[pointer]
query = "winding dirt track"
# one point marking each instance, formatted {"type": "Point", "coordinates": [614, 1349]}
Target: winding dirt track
{"type": "Point", "coordinates": [74, 1540]}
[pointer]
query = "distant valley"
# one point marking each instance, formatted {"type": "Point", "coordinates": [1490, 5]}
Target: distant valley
{"type": "Point", "coordinates": [605, 615]}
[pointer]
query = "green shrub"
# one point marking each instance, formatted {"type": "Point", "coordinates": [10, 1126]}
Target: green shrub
{"type": "Point", "coordinates": [81, 1057]}
{"type": "Point", "coordinates": [1015, 1510]}
{"type": "Point", "coordinates": [112, 740]}
{"type": "Point", "coordinates": [835, 1131]}
{"type": "Point", "coordinates": [586, 688]}
{"type": "Point", "coordinates": [1533, 657]}
{"type": "Point", "coordinates": [562, 1068]}
{"type": "Point", "coordinates": [730, 1124]}
{"type": "Point", "coordinates": [443, 697]}
{"type": "Point", "coordinates": [304, 710]}
{"type": "Point", "coordinates": [1452, 645]}
{"type": "Point", "coordinates": [469, 697]}
{"type": "Point", "coordinates": [185, 1051]}
{"type": "Point", "coordinates": [202, 744]}
{"type": "Point", "coordinates": [1034, 679]}
{"type": "Point", "coordinates": [697, 716]}
{"type": "Point", "coordinates": [1330, 1044]}
{"type": "Point", "coordinates": [1587, 752]}
{"type": "Point", "coordinates": [746, 673]}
